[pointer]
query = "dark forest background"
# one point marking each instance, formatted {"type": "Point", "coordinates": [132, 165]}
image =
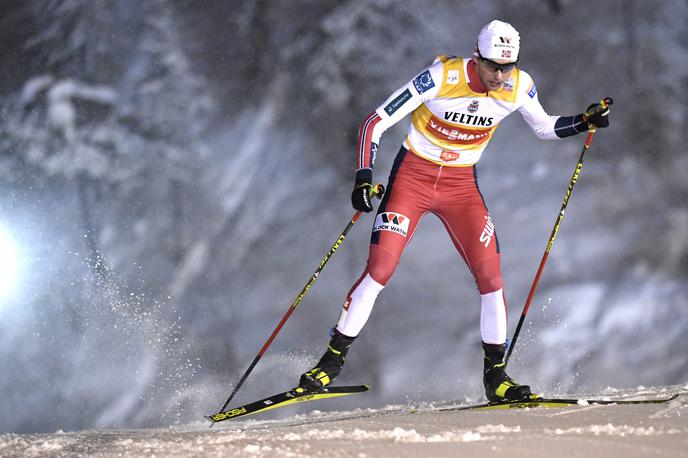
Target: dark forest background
{"type": "Point", "coordinates": [172, 172]}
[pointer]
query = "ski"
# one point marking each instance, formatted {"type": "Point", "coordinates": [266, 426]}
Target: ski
{"type": "Point", "coordinates": [284, 399]}
{"type": "Point", "coordinates": [556, 403]}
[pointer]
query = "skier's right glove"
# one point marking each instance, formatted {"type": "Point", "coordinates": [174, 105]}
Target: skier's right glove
{"type": "Point", "coordinates": [361, 195]}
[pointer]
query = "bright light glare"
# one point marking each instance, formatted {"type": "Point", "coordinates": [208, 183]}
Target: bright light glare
{"type": "Point", "coordinates": [8, 264]}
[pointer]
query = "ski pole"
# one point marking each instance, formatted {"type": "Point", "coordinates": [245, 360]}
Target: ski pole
{"type": "Point", "coordinates": [604, 103]}
{"type": "Point", "coordinates": [376, 191]}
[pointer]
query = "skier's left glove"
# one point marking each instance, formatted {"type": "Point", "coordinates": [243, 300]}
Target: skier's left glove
{"type": "Point", "coordinates": [597, 115]}
{"type": "Point", "coordinates": [361, 195]}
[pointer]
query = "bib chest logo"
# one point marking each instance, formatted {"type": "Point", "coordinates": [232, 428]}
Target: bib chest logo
{"type": "Point", "coordinates": [456, 135]}
{"type": "Point", "coordinates": [449, 156]}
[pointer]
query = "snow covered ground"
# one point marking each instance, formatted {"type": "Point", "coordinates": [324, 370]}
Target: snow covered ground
{"type": "Point", "coordinates": [649, 430]}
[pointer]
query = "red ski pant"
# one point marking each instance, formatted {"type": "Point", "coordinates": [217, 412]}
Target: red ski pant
{"type": "Point", "coordinates": [417, 186]}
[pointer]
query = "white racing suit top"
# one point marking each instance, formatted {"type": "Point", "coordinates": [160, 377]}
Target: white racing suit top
{"type": "Point", "coordinates": [451, 123]}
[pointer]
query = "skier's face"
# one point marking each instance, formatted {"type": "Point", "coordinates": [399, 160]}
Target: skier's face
{"type": "Point", "coordinates": [493, 72]}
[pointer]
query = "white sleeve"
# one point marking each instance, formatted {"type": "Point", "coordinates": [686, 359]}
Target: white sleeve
{"type": "Point", "coordinates": [424, 87]}
{"type": "Point", "coordinates": [531, 110]}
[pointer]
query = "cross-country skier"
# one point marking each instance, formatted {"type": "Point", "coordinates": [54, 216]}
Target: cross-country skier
{"type": "Point", "coordinates": [456, 105]}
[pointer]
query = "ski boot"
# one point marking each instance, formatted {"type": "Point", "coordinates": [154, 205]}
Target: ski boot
{"type": "Point", "coordinates": [327, 369]}
{"type": "Point", "coordinates": [500, 387]}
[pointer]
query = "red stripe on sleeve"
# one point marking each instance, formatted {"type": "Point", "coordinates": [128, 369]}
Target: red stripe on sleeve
{"type": "Point", "coordinates": [365, 135]}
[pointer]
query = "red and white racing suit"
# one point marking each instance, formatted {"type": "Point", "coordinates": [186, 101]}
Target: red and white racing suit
{"type": "Point", "coordinates": [452, 122]}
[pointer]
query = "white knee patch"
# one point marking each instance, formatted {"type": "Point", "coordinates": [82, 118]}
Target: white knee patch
{"type": "Point", "coordinates": [351, 321]}
{"type": "Point", "coordinates": [493, 317]}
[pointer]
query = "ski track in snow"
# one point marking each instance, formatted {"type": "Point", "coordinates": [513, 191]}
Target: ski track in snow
{"type": "Point", "coordinates": [647, 430]}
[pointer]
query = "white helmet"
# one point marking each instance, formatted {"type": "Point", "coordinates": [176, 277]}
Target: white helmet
{"type": "Point", "coordinates": [498, 40]}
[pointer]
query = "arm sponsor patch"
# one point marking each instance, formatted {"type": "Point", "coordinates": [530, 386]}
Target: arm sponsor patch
{"type": "Point", "coordinates": [423, 82]}
{"type": "Point", "coordinates": [398, 101]}
{"type": "Point", "coordinates": [533, 91]}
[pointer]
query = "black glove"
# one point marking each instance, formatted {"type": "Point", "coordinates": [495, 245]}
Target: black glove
{"type": "Point", "coordinates": [361, 195]}
{"type": "Point", "coordinates": [597, 115]}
